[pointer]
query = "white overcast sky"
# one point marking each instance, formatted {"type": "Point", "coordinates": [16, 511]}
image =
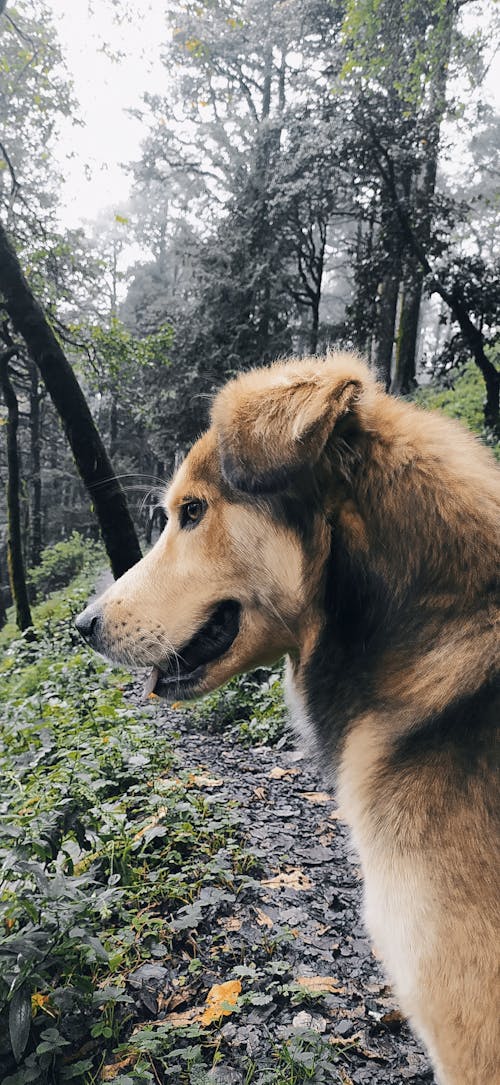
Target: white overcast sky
{"type": "Point", "coordinates": [106, 89]}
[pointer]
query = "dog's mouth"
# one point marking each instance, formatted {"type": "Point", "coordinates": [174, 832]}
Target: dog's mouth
{"type": "Point", "coordinates": [211, 642]}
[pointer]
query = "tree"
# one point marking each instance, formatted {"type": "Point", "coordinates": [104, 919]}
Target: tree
{"type": "Point", "coordinates": [15, 558]}
{"type": "Point", "coordinates": [91, 458]}
{"type": "Point", "coordinates": [399, 58]}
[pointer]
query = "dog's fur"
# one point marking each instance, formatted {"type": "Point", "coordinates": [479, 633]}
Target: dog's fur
{"type": "Point", "coordinates": [361, 537]}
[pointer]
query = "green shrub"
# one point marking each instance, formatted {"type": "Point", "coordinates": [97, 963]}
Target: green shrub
{"type": "Point", "coordinates": [60, 564]}
{"type": "Point", "coordinates": [251, 705]}
{"type": "Point", "coordinates": [463, 399]}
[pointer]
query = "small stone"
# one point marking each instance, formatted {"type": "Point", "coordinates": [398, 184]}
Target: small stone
{"type": "Point", "coordinates": [309, 1020]}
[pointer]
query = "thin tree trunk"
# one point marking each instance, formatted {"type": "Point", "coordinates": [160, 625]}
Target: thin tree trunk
{"type": "Point", "coordinates": [387, 305]}
{"type": "Point", "coordinates": [113, 425]}
{"type": "Point", "coordinates": [90, 455]}
{"type": "Point", "coordinates": [425, 184]}
{"type": "Point", "coordinates": [404, 380]}
{"type": "Point", "coordinates": [36, 541]}
{"type": "Point", "coordinates": [15, 559]}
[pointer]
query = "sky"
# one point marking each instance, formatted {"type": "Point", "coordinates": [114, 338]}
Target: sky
{"type": "Point", "coordinates": [106, 89]}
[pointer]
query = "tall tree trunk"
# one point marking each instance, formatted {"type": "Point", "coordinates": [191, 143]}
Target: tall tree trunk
{"type": "Point", "coordinates": [36, 540]}
{"type": "Point", "coordinates": [91, 458]}
{"type": "Point", "coordinates": [424, 187]}
{"type": "Point", "coordinates": [113, 425]}
{"type": "Point", "coordinates": [387, 305]}
{"type": "Point", "coordinates": [15, 559]}
{"type": "Point", "coordinates": [404, 379]}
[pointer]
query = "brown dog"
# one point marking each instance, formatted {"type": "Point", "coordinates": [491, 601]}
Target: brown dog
{"type": "Point", "coordinates": [321, 519]}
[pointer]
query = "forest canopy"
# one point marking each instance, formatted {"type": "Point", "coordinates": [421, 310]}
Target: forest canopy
{"type": "Point", "coordinates": [314, 175]}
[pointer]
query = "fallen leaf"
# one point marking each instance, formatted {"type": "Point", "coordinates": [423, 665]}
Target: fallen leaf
{"type": "Point", "coordinates": [393, 1019]}
{"type": "Point", "coordinates": [346, 1041]}
{"type": "Point", "coordinates": [292, 879]}
{"type": "Point", "coordinates": [112, 1069]}
{"type": "Point", "coordinates": [263, 919]}
{"type": "Point", "coordinates": [277, 774]}
{"type": "Point", "coordinates": [185, 1017]}
{"type": "Point", "coordinates": [151, 823]}
{"type": "Point", "coordinates": [318, 797]}
{"type": "Point", "coordinates": [260, 793]}
{"type": "Point", "coordinates": [221, 1001]}
{"type": "Point", "coordinates": [326, 838]}
{"type": "Point", "coordinates": [230, 923]}
{"type": "Point", "coordinates": [202, 779]}
{"type": "Point", "coordinates": [321, 984]}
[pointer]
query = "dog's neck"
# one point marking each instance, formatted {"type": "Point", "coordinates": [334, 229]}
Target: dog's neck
{"type": "Point", "coordinates": [394, 605]}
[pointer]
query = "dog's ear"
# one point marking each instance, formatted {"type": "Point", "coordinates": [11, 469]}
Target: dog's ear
{"type": "Point", "coordinates": [272, 422]}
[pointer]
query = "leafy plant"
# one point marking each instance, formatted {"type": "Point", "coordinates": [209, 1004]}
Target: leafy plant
{"type": "Point", "coordinates": [60, 564]}
{"type": "Point", "coordinates": [251, 705]}
{"type": "Point", "coordinates": [110, 854]}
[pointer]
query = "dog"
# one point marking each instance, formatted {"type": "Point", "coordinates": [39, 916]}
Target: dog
{"type": "Point", "coordinates": [322, 520]}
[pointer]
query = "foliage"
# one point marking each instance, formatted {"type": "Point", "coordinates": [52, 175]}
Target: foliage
{"type": "Point", "coordinates": [251, 705]}
{"type": "Point", "coordinates": [103, 847]}
{"type": "Point", "coordinates": [60, 563]}
{"type": "Point", "coordinates": [459, 394]}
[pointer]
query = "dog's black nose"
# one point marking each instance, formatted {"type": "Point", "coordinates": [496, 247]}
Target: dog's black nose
{"type": "Point", "coordinates": [89, 623]}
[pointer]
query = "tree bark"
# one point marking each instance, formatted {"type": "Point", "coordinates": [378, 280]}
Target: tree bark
{"type": "Point", "coordinates": [387, 300]}
{"type": "Point", "coordinates": [404, 380]}
{"type": "Point", "coordinates": [15, 561]}
{"type": "Point", "coordinates": [472, 335]}
{"type": "Point", "coordinates": [425, 184]}
{"type": "Point", "coordinates": [90, 455]}
{"type": "Point", "coordinates": [36, 540]}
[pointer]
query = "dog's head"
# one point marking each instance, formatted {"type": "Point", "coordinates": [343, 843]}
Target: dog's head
{"type": "Point", "coordinates": [233, 581]}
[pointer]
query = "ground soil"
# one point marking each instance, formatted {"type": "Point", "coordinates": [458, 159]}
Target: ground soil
{"type": "Point", "coordinates": [307, 924]}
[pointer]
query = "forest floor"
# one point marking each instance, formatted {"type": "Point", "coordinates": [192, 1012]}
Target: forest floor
{"type": "Point", "coordinates": [313, 1001]}
{"type": "Point", "coordinates": [179, 899]}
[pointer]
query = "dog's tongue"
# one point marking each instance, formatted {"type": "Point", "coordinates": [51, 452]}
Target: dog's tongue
{"type": "Point", "coordinates": [151, 680]}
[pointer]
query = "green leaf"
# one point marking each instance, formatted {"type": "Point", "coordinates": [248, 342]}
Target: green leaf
{"type": "Point", "coordinates": [20, 1021]}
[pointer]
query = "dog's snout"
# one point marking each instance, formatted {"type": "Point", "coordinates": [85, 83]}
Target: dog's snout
{"type": "Point", "coordinates": [89, 623]}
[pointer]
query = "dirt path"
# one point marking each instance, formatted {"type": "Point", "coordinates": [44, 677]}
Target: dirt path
{"type": "Point", "coordinates": [299, 918]}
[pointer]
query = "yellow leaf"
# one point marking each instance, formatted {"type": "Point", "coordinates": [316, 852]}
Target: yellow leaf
{"type": "Point", "coordinates": [327, 985]}
{"type": "Point", "coordinates": [221, 1001]}
{"type": "Point", "coordinates": [293, 879]}
{"type": "Point", "coordinates": [41, 1002]}
{"type": "Point", "coordinates": [319, 797]}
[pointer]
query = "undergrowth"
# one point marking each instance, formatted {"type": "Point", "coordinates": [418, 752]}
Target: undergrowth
{"type": "Point", "coordinates": [106, 846]}
{"type": "Point", "coordinates": [251, 706]}
{"type": "Point", "coordinates": [462, 397]}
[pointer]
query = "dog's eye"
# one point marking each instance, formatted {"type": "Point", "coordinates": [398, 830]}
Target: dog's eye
{"type": "Point", "coordinates": [192, 512]}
